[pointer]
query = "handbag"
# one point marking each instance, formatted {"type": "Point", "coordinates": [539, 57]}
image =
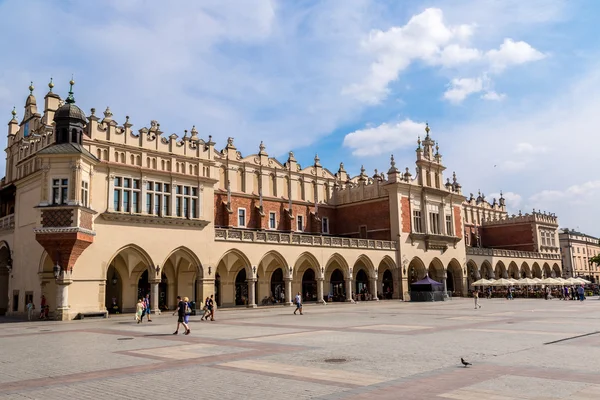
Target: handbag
{"type": "Point", "coordinates": [188, 310]}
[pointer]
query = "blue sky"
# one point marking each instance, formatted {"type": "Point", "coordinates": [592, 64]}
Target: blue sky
{"type": "Point", "coordinates": [510, 88]}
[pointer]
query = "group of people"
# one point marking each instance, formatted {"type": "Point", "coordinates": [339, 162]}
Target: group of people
{"type": "Point", "coordinates": [44, 310]}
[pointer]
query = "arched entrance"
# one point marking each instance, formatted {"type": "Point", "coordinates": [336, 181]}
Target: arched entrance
{"type": "Point", "coordinates": [525, 271]}
{"type": "Point", "coordinates": [309, 286]}
{"type": "Point", "coordinates": [556, 271]}
{"type": "Point", "coordinates": [144, 288]}
{"type": "Point", "coordinates": [454, 278]}
{"type": "Point", "coordinates": [500, 271]}
{"type": "Point", "coordinates": [547, 271]}
{"type": "Point", "coordinates": [241, 288]}
{"type": "Point", "coordinates": [337, 287]}
{"type": "Point", "coordinates": [436, 270]}
{"type": "Point", "coordinates": [513, 270]}
{"type": "Point", "coordinates": [387, 284]}
{"type": "Point", "coordinates": [536, 271]}
{"type": "Point", "coordinates": [487, 271]}
{"type": "Point", "coordinates": [113, 292]}
{"type": "Point", "coordinates": [5, 261]}
{"type": "Point", "coordinates": [277, 286]}
{"type": "Point", "coordinates": [472, 273]}
{"type": "Point", "coordinates": [362, 283]}
{"type": "Point", "coordinates": [416, 271]}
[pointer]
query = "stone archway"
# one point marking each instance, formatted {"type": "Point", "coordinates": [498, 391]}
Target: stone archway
{"type": "Point", "coordinates": [337, 285]}
{"type": "Point", "coordinates": [227, 284]}
{"type": "Point", "coordinates": [363, 275]}
{"type": "Point", "coordinates": [385, 277]}
{"type": "Point", "coordinates": [525, 270]}
{"type": "Point", "coordinates": [184, 274]}
{"type": "Point", "coordinates": [416, 271]}
{"type": "Point", "coordinates": [309, 286]}
{"type": "Point", "coordinates": [387, 284]}
{"type": "Point", "coordinates": [556, 271]}
{"type": "Point", "coordinates": [273, 268]}
{"type": "Point", "coordinates": [5, 263]}
{"type": "Point", "coordinates": [436, 270]}
{"type": "Point", "coordinates": [473, 273]}
{"type": "Point", "coordinates": [487, 272]}
{"type": "Point", "coordinates": [536, 271]}
{"type": "Point", "coordinates": [500, 270]}
{"type": "Point", "coordinates": [513, 270]}
{"type": "Point", "coordinates": [304, 281]}
{"type": "Point", "coordinates": [277, 286]}
{"type": "Point", "coordinates": [547, 271]}
{"type": "Point", "coordinates": [454, 279]}
{"type": "Point", "coordinates": [361, 285]}
{"type": "Point", "coordinates": [241, 288]}
{"type": "Point", "coordinates": [128, 265]}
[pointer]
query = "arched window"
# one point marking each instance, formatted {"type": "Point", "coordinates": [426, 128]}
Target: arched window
{"type": "Point", "coordinates": [272, 185]}
{"type": "Point", "coordinates": [74, 136]}
{"type": "Point", "coordinates": [240, 184]}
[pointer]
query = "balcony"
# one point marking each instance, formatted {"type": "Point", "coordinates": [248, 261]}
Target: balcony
{"type": "Point", "coordinates": [296, 239]}
{"type": "Point", "coordinates": [479, 251]}
{"type": "Point", "coordinates": [7, 223]}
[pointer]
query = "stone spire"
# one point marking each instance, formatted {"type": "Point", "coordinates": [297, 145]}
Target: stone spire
{"type": "Point", "coordinates": [194, 133]}
{"type": "Point", "coordinates": [317, 161]}
{"type": "Point", "coordinates": [363, 176]}
{"type": "Point", "coordinates": [261, 149]}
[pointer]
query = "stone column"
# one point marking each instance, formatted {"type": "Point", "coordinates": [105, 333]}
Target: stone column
{"type": "Point", "coordinates": [320, 298]}
{"type": "Point", "coordinates": [349, 290]}
{"type": "Point", "coordinates": [374, 289]}
{"type": "Point", "coordinates": [62, 296]}
{"type": "Point", "coordinates": [251, 293]}
{"type": "Point", "coordinates": [288, 291]}
{"type": "Point", "coordinates": [154, 297]}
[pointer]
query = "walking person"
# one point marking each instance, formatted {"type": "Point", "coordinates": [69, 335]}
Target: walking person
{"type": "Point", "coordinates": [146, 311]}
{"type": "Point", "coordinates": [205, 309]}
{"type": "Point", "coordinates": [43, 307]}
{"type": "Point", "coordinates": [211, 307]}
{"type": "Point", "coordinates": [180, 311]}
{"type": "Point", "coordinates": [30, 308]}
{"type": "Point", "coordinates": [139, 310]}
{"type": "Point", "coordinates": [298, 301]}
{"type": "Point", "coordinates": [188, 311]}
{"type": "Point", "coordinates": [476, 297]}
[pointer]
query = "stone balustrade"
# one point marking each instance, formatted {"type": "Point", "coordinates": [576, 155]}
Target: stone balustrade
{"type": "Point", "coordinates": [7, 222]}
{"type": "Point", "coordinates": [479, 251]}
{"type": "Point", "coordinates": [239, 235]}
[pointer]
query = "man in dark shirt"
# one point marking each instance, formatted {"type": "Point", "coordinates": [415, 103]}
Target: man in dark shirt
{"type": "Point", "coordinates": [181, 306]}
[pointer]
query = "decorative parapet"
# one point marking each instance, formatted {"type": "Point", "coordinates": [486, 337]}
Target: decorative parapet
{"type": "Point", "coordinates": [7, 223]}
{"type": "Point", "coordinates": [538, 217]}
{"type": "Point", "coordinates": [154, 220]}
{"type": "Point", "coordinates": [480, 251]}
{"type": "Point", "coordinates": [238, 235]}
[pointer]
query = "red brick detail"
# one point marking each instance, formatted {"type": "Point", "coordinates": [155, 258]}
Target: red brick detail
{"type": "Point", "coordinates": [86, 220]}
{"type": "Point", "coordinates": [458, 229]}
{"type": "Point", "coordinates": [405, 205]}
{"type": "Point", "coordinates": [64, 248]}
{"type": "Point", "coordinates": [374, 214]}
{"type": "Point", "coordinates": [57, 218]}
{"type": "Point", "coordinates": [509, 237]}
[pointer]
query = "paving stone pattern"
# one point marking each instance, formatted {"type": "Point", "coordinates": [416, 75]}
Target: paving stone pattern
{"type": "Point", "coordinates": [520, 349]}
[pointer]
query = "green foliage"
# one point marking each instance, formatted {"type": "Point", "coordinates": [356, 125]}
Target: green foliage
{"type": "Point", "coordinates": [595, 259]}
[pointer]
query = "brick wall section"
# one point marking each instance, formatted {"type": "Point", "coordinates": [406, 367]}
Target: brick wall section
{"type": "Point", "coordinates": [220, 201]}
{"type": "Point", "coordinates": [510, 237]}
{"type": "Point", "coordinates": [86, 220]}
{"type": "Point", "coordinates": [405, 204]}
{"type": "Point", "coordinates": [57, 218]}
{"type": "Point", "coordinates": [64, 248]}
{"type": "Point", "coordinates": [458, 229]}
{"type": "Point", "coordinates": [375, 215]}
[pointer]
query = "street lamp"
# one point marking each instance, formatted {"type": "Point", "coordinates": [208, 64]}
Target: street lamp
{"type": "Point", "coordinates": [114, 279]}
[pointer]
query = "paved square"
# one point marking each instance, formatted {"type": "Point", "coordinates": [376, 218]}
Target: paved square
{"type": "Point", "coordinates": [521, 349]}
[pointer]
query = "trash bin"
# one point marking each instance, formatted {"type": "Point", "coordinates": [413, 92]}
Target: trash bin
{"type": "Point", "coordinates": [193, 307]}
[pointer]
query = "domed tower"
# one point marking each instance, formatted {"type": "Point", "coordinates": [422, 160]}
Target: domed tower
{"type": "Point", "coordinates": [66, 225]}
{"type": "Point", "coordinates": [70, 121]}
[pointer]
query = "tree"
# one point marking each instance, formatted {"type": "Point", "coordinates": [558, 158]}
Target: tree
{"type": "Point", "coordinates": [595, 259]}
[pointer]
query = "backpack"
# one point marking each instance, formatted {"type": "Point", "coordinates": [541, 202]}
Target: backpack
{"type": "Point", "coordinates": [188, 310]}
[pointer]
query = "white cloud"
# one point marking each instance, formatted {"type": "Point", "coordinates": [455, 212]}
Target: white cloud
{"type": "Point", "coordinates": [423, 38]}
{"type": "Point", "coordinates": [513, 200]}
{"type": "Point", "coordinates": [493, 96]}
{"type": "Point", "coordinates": [384, 138]}
{"type": "Point", "coordinates": [427, 38]}
{"type": "Point", "coordinates": [461, 88]}
{"type": "Point", "coordinates": [528, 148]}
{"type": "Point", "coordinates": [512, 53]}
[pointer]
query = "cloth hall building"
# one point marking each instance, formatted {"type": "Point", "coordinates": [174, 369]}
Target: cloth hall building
{"type": "Point", "coordinates": [95, 215]}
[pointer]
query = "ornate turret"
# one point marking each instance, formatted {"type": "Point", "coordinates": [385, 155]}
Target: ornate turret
{"type": "Point", "coordinates": [13, 124]}
{"type": "Point", "coordinates": [70, 121]}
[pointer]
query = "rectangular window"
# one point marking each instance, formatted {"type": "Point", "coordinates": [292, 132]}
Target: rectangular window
{"type": "Point", "coordinates": [417, 226]}
{"type": "Point", "coordinates": [84, 193]}
{"type": "Point", "coordinates": [363, 231]}
{"type": "Point", "coordinates": [434, 223]}
{"type": "Point", "coordinates": [186, 201]}
{"type": "Point", "coordinates": [300, 223]}
{"type": "Point", "coordinates": [126, 196]}
{"type": "Point", "coordinates": [325, 225]}
{"type": "Point", "coordinates": [241, 217]}
{"type": "Point", "coordinates": [60, 191]}
{"type": "Point", "coordinates": [166, 204]}
{"type": "Point", "coordinates": [272, 221]}
{"type": "Point", "coordinates": [157, 198]}
{"type": "Point", "coordinates": [449, 225]}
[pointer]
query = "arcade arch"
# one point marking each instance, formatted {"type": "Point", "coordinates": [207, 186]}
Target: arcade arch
{"type": "Point", "coordinates": [454, 279]}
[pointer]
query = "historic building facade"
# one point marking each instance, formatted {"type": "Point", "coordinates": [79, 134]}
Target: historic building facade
{"type": "Point", "coordinates": [577, 249]}
{"type": "Point", "coordinates": [94, 214]}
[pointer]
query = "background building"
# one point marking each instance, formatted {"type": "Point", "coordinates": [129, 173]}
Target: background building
{"type": "Point", "coordinates": [576, 250]}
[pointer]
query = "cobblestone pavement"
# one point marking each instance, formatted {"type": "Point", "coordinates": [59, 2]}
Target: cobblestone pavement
{"type": "Point", "coordinates": [521, 349]}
